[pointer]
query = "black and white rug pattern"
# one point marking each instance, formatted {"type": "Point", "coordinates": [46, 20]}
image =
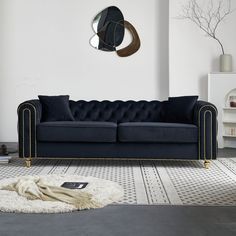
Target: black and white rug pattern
{"type": "Point", "coordinates": [148, 182]}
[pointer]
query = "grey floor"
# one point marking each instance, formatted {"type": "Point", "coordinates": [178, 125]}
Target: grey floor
{"type": "Point", "coordinates": [126, 220]}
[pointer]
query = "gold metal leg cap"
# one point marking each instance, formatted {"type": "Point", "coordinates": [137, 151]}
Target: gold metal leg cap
{"type": "Point", "coordinates": [28, 163]}
{"type": "Point", "coordinates": [207, 164]}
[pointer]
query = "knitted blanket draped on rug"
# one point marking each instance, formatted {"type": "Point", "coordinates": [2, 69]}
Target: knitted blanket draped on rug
{"type": "Point", "coordinates": [33, 189]}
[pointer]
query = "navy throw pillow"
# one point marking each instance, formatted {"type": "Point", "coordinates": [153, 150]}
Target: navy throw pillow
{"type": "Point", "coordinates": [179, 109]}
{"type": "Point", "coordinates": [56, 108]}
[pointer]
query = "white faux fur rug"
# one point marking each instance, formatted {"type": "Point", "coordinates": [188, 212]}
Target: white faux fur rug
{"type": "Point", "coordinates": [103, 192]}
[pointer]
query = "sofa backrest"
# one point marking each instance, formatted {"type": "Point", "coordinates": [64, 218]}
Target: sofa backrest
{"type": "Point", "coordinates": [117, 111]}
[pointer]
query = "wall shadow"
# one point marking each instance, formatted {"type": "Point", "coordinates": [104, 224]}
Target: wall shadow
{"type": "Point", "coordinates": [203, 87]}
{"type": "Point", "coordinates": [163, 48]}
{"type": "Point", "coordinates": [215, 64]}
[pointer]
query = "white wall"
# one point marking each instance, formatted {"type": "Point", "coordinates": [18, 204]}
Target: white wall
{"type": "Point", "coordinates": [44, 49]}
{"type": "Point", "coordinates": [192, 55]}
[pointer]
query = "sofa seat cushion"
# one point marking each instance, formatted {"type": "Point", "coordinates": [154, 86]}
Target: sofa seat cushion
{"type": "Point", "coordinates": [157, 132]}
{"type": "Point", "coordinates": [77, 131]}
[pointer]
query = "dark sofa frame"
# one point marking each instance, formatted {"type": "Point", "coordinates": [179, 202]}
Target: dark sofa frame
{"type": "Point", "coordinates": [204, 117]}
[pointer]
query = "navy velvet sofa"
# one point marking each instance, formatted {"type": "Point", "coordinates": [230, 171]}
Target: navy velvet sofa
{"type": "Point", "coordinates": [119, 129]}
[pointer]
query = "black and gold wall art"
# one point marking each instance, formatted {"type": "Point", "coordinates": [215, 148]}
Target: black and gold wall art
{"type": "Point", "coordinates": [109, 27]}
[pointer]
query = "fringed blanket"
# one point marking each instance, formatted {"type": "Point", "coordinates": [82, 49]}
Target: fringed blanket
{"type": "Point", "coordinates": [33, 189]}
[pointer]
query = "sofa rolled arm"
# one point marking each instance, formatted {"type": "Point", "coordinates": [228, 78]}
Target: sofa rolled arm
{"type": "Point", "coordinates": [29, 115]}
{"type": "Point", "coordinates": [205, 117]}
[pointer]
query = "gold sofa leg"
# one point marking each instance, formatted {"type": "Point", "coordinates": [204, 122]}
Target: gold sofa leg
{"type": "Point", "coordinates": [28, 162]}
{"type": "Point", "coordinates": [207, 164]}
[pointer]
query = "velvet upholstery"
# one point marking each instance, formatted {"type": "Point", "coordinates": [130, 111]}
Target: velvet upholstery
{"type": "Point", "coordinates": [183, 142]}
{"type": "Point", "coordinates": [179, 109]}
{"type": "Point", "coordinates": [158, 132]}
{"type": "Point", "coordinates": [56, 108]}
{"type": "Point", "coordinates": [119, 150]}
{"type": "Point", "coordinates": [117, 111]}
{"type": "Point", "coordinates": [205, 117]}
{"type": "Point", "coordinates": [77, 131]}
{"type": "Point", "coordinates": [29, 115]}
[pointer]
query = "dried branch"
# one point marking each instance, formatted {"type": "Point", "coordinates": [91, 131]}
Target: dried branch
{"type": "Point", "coordinates": [207, 18]}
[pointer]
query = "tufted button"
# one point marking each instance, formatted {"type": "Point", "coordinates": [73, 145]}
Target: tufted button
{"type": "Point", "coordinates": [116, 111]}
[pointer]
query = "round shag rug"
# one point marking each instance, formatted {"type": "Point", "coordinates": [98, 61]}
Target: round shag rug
{"type": "Point", "coordinates": [103, 192]}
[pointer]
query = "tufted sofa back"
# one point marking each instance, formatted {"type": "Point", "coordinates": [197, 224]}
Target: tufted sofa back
{"type": "Point", "coordinates": [117, 111]}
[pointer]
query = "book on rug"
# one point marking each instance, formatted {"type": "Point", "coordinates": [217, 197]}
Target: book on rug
{"type": "Point", "coordinates": [5, 159]}
{"type": "Point", "coordinates": [74, 185]}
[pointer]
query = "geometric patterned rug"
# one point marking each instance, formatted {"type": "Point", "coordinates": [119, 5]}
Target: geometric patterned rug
{"type": "Point", "coordinates": [148, 182]}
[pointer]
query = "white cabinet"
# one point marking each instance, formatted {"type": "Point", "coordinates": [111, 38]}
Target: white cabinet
{"type": "Point", "coordinates": [221, 87]}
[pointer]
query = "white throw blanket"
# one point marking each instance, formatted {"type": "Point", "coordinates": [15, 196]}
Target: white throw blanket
{"type": "Point", "coordinates": [35, 188]}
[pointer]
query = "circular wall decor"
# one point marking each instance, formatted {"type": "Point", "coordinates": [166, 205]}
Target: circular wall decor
{"type": "Point", "coordinates": [109, 27]}
{"type": "Point", "coordinates": [103, 192]}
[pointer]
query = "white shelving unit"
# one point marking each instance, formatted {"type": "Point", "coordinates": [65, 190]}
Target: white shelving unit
{"type": "Point", "coordinates": [220, 87]}
{"type": "Point", "coordinates": [229, 108]}
{"type": "Point", "coordinates": [229, 136]}
{"type": "Point", "coordinates": [229, 122]}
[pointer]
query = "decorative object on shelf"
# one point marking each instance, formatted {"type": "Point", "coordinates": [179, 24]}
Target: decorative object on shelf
{"type": "Point", "coordinates": [232, 101]}
{"type": "Point", "coordinates": [226, 64]}
{"type": "Point", "coordinates": [232, 131]}
{"type": "Point", "coordinates": [109, 27]}
{"type": "Point", "coordinates": [209, 19]}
